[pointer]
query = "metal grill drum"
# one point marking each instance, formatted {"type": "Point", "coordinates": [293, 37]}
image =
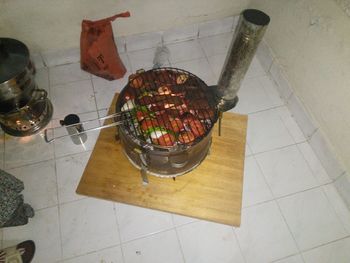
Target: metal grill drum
{"type": "Point", "coordinates": [171, 115]}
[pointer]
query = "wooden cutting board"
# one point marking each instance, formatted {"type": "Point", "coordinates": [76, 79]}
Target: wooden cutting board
{"type": "Point", "coordinates": [212, 191]}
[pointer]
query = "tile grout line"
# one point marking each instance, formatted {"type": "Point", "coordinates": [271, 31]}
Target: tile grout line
{"type": "Point", "coordinates": [88, 253]}
{"type": "Point", "coordinates": [118, 228]}
{"type": "Point", "coordinates": [333, 208]}
{"type": "Point", "coordinates": [46, 160]}
{"type": "Point", "coordinates": [239, 245]}
{"type": "Point", "coordinates": [325, 244]}
{"type": "Point", "coordinates": [274, 149]}
{"type": "Point", "coordinates": [276, 201]}
{"type": "Point", "coordinates": [69, 82]}
{"type": "Point", "coordinates": [178, 239]}
{"type": "Point", "coordinates": [309, 165]}
{"type": "Point", "coordinates": [308, 138]}
{"type": "Point", "coordinates": [296, 254]}
{"type": "Point", "coordinates": [95, 100]}
{"type": "Point", "coordinates": [279, 208]}
{"type": "Point", "coordinates": [57, 188]}
{"type": "Point", "coordinates": [148, 235]}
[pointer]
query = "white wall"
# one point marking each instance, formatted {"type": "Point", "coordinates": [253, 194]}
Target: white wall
{"type": "Point", "coordinates": [311, 40]}
{"type": "Point", "coordinates": [46, 25]}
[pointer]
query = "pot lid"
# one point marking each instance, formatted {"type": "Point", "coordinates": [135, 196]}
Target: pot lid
{"type": "Point", "coordinates": [14, 57]}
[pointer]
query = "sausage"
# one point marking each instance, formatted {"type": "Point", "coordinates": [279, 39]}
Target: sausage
{"type": "Point", "coordinates": [175, 125]}
{"type": "Point", "coordinates": [186, 137]}
{"type": "Point", "coordinates": [135, 81]}
{"type": "Point", "coordinates": [166, 139]}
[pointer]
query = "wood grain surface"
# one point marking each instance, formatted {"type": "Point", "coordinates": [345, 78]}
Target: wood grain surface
{"type": "Point", "coordinates": [212, 191]}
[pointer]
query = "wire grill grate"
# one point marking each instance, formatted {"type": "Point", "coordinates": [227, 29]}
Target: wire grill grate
{"type": "Point", "coordinates": [167, 107]}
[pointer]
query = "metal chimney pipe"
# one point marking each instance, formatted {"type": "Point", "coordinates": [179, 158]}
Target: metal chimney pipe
{"type": "Point", "coordinates": [251, 27]}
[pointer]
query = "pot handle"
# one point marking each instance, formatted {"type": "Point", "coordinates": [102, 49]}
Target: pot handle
{"type": "Point", "coordinates": [43, 95]}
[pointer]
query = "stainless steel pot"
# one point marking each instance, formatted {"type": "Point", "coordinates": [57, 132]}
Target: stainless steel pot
{"type": "Point", "coordinates": [24, 109]}
{"type": "Point", "coordinates": [16, 75]}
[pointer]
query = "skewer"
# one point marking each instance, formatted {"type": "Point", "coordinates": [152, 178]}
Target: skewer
{"type": "Point", "coordinates": [100, 127]}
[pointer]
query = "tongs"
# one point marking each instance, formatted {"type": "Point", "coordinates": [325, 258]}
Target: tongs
{"type": "Point", "coordinates": [77, 129]}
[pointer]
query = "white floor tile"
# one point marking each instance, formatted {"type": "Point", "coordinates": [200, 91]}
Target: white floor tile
{"type": "Point", "coordinates": [200, 68]}
{"type": "Point", "coordinates": [142, 41]}
{"type": "Point", "coordinates": [180, 33]}
{"type": "Point", "coordinates": [338, 205]}
{"type": "Point", "coordinates": [215, 45]}
{"type": "Point", "coordinates": [20, 151]}
{"type": "Point", "coordinates": [37, 60]}
{"type": "Point", "coordinates": [87, 225]}
{"type": "Point", "coordinates": [292, 259]}
{"type": "Point", "coordinates": [75, 97]}
{"type": "Point", "coordinates": [255, 189]}
{"type": "Point", "coordinates": [135, 222]}
{"type": "Point", "coordinates": [252, 97]}
{"type": "Point", "coordinates": [67, 73]}
{"type": "Point", "coordinates": [105, 90]}
{"type": "Point", "coordinates": [336, 252]}
{"type": "Point", "coordinates": [43, 229]}
{"type": "Point", "coordinates": [182, 220]}
{"type": "Point", "coordinates": [281, 81]}
{"type": "Point", "coordinates": [40, 186]}
{"type": "Point", "coordinates": [290, 123]}
{"type": "Point", "coordinates": [271, 90]}
{"type": "Point", "coordinates": [60, 57]}
{"type": "Point", "coordinates": [65, 146]}
{"type": "Point", "coordinates": [342, 184]}
{"type": "Point", "coordinates": [263, 235]}
{"type": "Point", "coordinates": [206, 242]}
{"type": "Point", "coordinates": [265, 55]}
{"type": "Point", "coordinates": [121, 44]}
{"type": "Point", "coordinates": [69, 172]}
{"type": "Point", "coordinates": [255, 69]}
{"type": "Point", "coordinates": [314, 163]}
{"type": "Point", "coordinates": [266, 131]}
{"type": "Point", "coordinates": [90, 228]}
{"type": "Point", "coordinates": [109, 255]}
{"type": "Point", "coordinates": [215, 27]}
{"type": "Point", "coordinates": [311, 218]}
{"type": "Point", "coordinates": [141, 59]}
{"type": "Point", "coordinates": [217, 63]}
{"type": "Point", "coordinates": [286, 171]}
{"type": "Point", "coordinates": [325, 155]}
{"type": "Point", "coordinates": [42, 79]}
{"type": "Point", "coordinates": [248, 151]}
{"type": "Point", "coordinates": [158, 248]}
{"type": "Point", "coordinates": [125, 59]}
{"type": "Point", "coordinates": [301, 115]}
{"type": "Point", "coordinates": [184, 51]}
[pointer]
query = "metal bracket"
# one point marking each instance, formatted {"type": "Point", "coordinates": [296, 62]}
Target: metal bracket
{"type": "Point", "coordinates": [144, 170]}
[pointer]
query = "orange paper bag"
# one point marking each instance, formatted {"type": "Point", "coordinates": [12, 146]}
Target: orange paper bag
{"type": "Point", "coordinates": [98, 51]}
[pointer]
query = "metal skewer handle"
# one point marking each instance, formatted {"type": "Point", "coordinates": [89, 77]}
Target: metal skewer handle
{"type": "Point", "coordinates": [77, 132]}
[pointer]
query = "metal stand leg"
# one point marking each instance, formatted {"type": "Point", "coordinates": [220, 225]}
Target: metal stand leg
{"type": "Point", "coordinates": [144, 170]}
{"type": "Point", "coordinates": [220, 118]}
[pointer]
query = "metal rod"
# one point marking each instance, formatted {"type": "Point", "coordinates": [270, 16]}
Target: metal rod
{"type": "Point", "coordinates": [100, 127]}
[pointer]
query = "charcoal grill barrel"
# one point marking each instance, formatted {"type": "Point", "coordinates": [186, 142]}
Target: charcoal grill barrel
{"type": "Point", "coordinates": [250, 30]}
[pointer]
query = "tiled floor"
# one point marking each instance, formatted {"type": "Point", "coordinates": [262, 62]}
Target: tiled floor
{"type": "Point", "coordinates": [291, 212]}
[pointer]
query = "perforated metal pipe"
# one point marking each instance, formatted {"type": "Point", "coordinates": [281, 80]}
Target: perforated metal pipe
{"type": "Point", "coordinates": [250, 30]}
